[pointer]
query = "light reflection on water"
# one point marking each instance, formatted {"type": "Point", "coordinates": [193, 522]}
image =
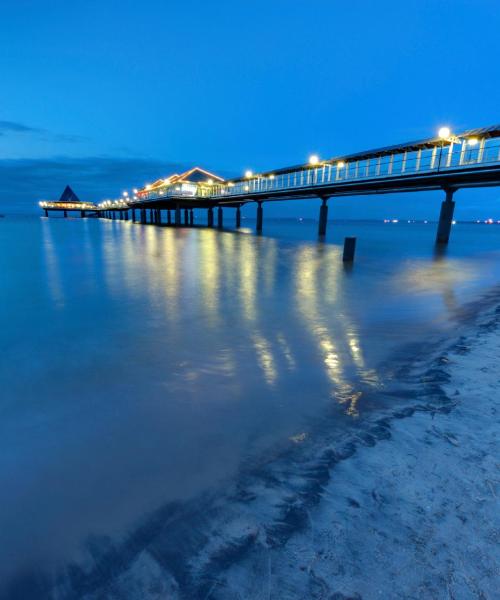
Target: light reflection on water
{"type": "Point", "coordinates": [143, 364]}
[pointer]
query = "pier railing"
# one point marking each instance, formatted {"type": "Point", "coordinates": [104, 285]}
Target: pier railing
{"type": "Point", "coordinates": [457, 154]}
{"type": "Point", "coordinates": [424, 161]}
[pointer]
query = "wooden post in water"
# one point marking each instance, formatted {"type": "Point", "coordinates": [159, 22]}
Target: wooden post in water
{"type": "Point", "coordinates": [191, 217]}
{"type": "Point", "coordinates": [126, 215]}
{"type": "Point", "coordinates": [323, 217]}
{"type": "Point", "coordinates": [349, 249]}
{"type": "Point", "coordinates": [169, 218]}
{"type": "Point", "coordinates": [151, 215]}
{"type": "Point", "coordinates": [133, 214]}
{"type": "Point", "coordinates": [46, 212]}
{"type": "Point", "coordinates": [65, 213]}
{"type": "Point", "coordinates": [82, 214]}
{"type": "Point", "coordinates": [238, 217]}
{"type": "Point", "coordinates": [260, 217]}
{"type": "Point", "coordinates": [186, 217]}
{"type": "Point", "coordinates": [220, 218]}
{"type": "Point", "coordinates": [210, 217]}
{"type": "Point", "coordinates": [143, 216]}
{"type": "Point", "coordinates": [445, 218]}
{"type": "Point", "coordinates": [177, 215]}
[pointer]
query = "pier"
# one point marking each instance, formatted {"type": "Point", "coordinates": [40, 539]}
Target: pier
{"type": "Point", "coordinates": [446, 162]}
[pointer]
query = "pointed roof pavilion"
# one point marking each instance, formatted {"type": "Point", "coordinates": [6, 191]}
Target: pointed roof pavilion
{"type": "Point", "coordinates": [69, 195]}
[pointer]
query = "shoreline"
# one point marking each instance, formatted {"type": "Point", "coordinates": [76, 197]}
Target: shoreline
{"type": "Point", "coordinates": [375, 515]}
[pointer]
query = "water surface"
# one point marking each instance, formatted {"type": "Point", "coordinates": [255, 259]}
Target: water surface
{"type": "Point", "coordinates": [145, 364]}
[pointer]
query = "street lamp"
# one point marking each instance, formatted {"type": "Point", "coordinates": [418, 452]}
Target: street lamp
{"type": "Point", "coordinates": [444, 133]}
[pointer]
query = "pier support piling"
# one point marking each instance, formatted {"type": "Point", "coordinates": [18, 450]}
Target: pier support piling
{"type": "Point", "coordinates": [65, 214]}
{"type": "Point", "coordinates": [177, 215]}
{"type": "Point", "coordinates": [191, 217]}
{"type": "Point", "coordinates": [349, 249]}
{"type": "Point", "coordinates": [445, 218]}
{"type": "Point", "coordinates": [238, 217]}
{"type": "Point", "coordinates": [186, 217]}
{"type": "Point", "coordinates": [151, 215]}
{"type": "Point", "coordinates": [210, 217]}
{"type": "Point", "coordinates": [82, 214]}
{"type": "Point", "coordinates": [323, 217]}
{"type": "Point", "coordinates": [143, 216]}
{"type": "Point", "coordinates": [260, 216]}
{"type": "Point", "coordinates": [220, 218]}
{"type": "Point", "coordinates": [46, 212]}
{"type": "Point", "coordinates": [126, 215]}
{"type": "Point", "coordinates": [169, 217]}
{"type": "Point", "coordinates": [133, 214]}
{"type": "Point", "coordinates": [159, 216]}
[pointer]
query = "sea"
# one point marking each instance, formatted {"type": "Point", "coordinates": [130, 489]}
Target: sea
{"type": "Point", "coordinates": [149, 368]}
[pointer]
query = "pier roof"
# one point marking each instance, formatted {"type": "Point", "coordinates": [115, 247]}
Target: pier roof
{"type": "Point", "coordinates": [194, 175]}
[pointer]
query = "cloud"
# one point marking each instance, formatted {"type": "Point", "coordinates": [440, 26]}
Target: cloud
{"type": "Point", "coordinates": [13, 128]}
{"type": "Point", "coordinates": [23, 182]}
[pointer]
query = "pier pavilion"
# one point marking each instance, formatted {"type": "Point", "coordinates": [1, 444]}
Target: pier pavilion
{"type": "Point", "coordinates": [68, 201]}
{"type": "Point", "coordinates": [447, 162]}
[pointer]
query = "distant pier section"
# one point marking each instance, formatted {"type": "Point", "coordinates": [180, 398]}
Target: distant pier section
{"type": "Point", "coordinates": [445, 162]}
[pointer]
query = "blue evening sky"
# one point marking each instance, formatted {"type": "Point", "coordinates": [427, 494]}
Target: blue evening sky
{"type": "Point", "coordinates": [106, 95]}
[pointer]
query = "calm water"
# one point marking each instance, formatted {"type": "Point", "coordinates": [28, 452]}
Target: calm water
{"type": "Point", "coordinates": [142, 364]}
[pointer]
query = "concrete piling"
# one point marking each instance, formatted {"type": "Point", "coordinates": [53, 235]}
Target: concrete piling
{"type": "Point", "coordinates": [323, 217]}
{"type": "Point", "coordinates": [210, 217]}
{"type": "Point", "coordinates": [349, 249]}
{"type": "Point", "coordinates": [191, 217]}
{"type": "Point", "coordinates": [260, 217]}
{"type": "Point", "coordinates": [445, 218]}
{"type": "Point", "coordinates": [220, 218]}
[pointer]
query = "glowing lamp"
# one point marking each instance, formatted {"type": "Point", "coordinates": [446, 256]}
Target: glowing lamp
{"type": "Point", "coordinates": [444, 133]}
{"type": "Point", "coordinates": [341, 164]}
{"type": "Point", "coordinates": [248, 174]}
{"type": "Point", "coordinates": [125, 194]}
{"type": "Point", "coordinates": [313, 159]}
{"type": "Point", "coordinates": [472, 141]}
{"type": "Point", "coordinates": [271, 176]}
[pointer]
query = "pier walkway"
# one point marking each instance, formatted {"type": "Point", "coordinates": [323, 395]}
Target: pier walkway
{"type": "Point", "coordinates": [446, 162]}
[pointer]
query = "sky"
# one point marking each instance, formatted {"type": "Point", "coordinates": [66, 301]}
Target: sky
{"type": "Point", "coordinates": [107, 95]}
